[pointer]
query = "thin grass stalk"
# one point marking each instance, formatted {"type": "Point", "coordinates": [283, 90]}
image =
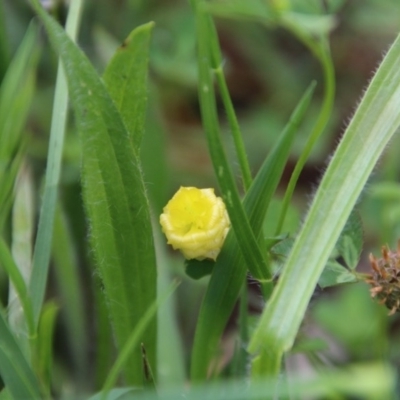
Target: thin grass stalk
{"type": "Point", "coordinates": [42, 251]}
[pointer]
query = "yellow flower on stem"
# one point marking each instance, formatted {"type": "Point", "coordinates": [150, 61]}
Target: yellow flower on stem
{"type": "Point", "coordinates": [195, 222]}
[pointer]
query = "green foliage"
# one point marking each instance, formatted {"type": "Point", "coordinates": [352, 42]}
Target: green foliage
{"type": "Point", "coordinates": [114, 197]}
{"type": "Point", "coordinates": [349, 169]}
{"type": "Point", "coordinates": [16, 94]}
{"type": "Point", "coordinates": [199, 97]}
{"type": "Point", "coordinates": [15, 371]}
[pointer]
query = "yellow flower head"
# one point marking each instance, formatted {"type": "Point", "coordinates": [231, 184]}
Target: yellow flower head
{"type": "Point", "coordinates": [195, 222]}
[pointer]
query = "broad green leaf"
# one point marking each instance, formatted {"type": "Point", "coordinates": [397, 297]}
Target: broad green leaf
{"type": "Point", "coordinates": [115, 200]}
{"type": "Point", "coordinates": [125, 79]}
{"type": "Point", "coordinates": [16, 94]}
{"type": "Point", "coordinates": [230, 268]}
{"type": "Point", "coordinates": [5, 394]}
{"type": "Point", "coordinates": [15, 372]}
{"type": "Point", "coordinates": [367, 135]}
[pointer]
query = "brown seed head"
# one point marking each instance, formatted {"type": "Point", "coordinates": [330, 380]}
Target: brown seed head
{"type": "Point", "coordinates": [385, 278]}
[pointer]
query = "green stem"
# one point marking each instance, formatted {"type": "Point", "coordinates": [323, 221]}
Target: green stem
{"type": "Point", "coordinates": [217, 62]}
{"type": "Point", "coordinates": [323, 55]}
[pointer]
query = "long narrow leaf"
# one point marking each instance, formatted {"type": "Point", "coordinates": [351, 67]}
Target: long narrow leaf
{"type": "Point", "coordinates": [115, 200]}
{"type": "Point", "coordinates": [16, 94]}
{"type": "Point", "coordinates": [19, 285]}
{"type": "Point", "coordinates": [369, 132]}
{"type": "Point", "coordinates": [42, 251]}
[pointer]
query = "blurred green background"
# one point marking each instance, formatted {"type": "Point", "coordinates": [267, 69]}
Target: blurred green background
{"type": "Point", "coordinates": [267, 70]}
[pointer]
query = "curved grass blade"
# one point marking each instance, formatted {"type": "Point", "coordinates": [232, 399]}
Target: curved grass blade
{"type": "Point", "coordinates": [16, 94]}
{"type": "Point", "coordinates": [42, 251]}
{"type": "Point", "coordinates": [20, 287]}
{"type": "Point", "coordinates": [373, 125]}
{"type": "Point", "coordinates": [67, 275]}
{"type": "Point", "coordinates": [230, 268]}
{"type": "Point", "coordinates": [44, 348]}
{"type": "Point", "coordinates": [15, 372]}
{"type": "Point", "coordinates": [21, 249]}
{"type": "Point", "coordinates": [115, 200]}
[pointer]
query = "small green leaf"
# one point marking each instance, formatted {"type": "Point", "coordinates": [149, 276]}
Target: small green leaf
{"type": "Point", "coordinates": [350, 242]}
{"type": "Point", "coordinates": [198, 269]}
{"type": "Point", "coordinates": [335, 274]}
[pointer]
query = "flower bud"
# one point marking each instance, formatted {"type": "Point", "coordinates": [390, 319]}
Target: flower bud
{"type": "Point", "coordinates": [195, 222]}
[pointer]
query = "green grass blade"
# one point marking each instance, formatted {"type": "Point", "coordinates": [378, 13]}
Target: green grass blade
{"type": "Point", "coordinates": [369, 132]}
{"type": "Point", "coordinates": [14, 369]}
{"type": "Point", "coordinates": [217, 64]}
{"type": "Point", "coordinates": [21, 249]}
{"type": "Point", "coordinates": [18, 282]}
{"type": "Point", "coordinates": [4, 46]}
{"type": "Point", "coordinates": [134, 339]}
{"type": "Point", "coordinates": [322, 52]}
{"type": "Point", "coordinates": [16, 94]}
{"type": "Point", "coordinates": [125, 79]}
{"type": "Point", "coordinates": [230, 269]}
{"type": "Point", "coordinates": [115, 200]}
{"type": "Point", "coordinates": [67, 274]}
{"type": "Point", "coordinates": [42, 251]}
{"type": "Point", "coordinates": [44, 356]}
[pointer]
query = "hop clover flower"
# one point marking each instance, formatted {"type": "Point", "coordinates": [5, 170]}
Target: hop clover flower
{"type": "Point", "coordinates": [385, 278]}
{"type": "Point", "coordinates": [195, 222]}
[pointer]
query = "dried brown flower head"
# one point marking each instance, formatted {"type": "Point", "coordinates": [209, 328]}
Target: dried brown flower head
{"type": "Point", "coordinates": [385, 278]}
